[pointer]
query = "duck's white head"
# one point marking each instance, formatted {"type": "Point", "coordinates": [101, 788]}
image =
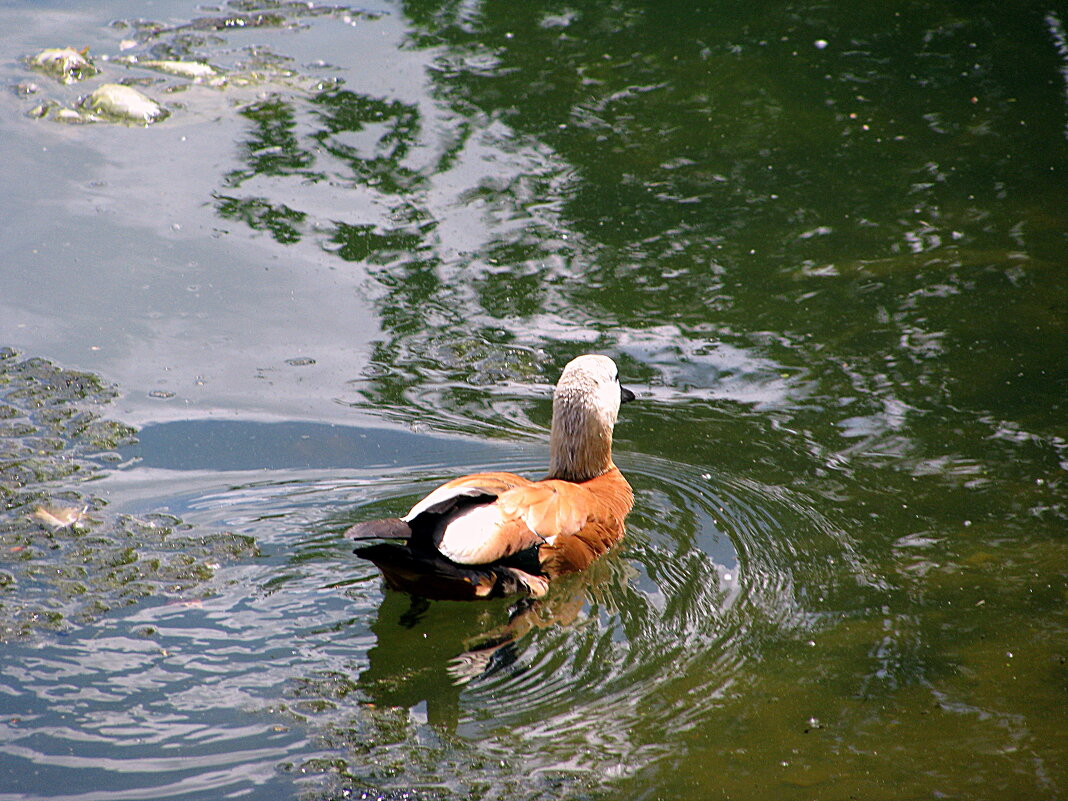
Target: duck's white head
{"type": "Point", "coordinates": [585, 407]}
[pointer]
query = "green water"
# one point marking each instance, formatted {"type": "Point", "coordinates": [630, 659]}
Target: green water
{"type": "Point", "coordinates": [825, 244]}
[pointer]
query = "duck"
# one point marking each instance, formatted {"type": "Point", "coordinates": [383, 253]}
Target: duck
{"type": "Point", "coordinates": [497, 534]}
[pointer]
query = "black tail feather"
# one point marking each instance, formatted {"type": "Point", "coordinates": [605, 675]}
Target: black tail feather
{"type": "Point", "coordinates": [389, 528]}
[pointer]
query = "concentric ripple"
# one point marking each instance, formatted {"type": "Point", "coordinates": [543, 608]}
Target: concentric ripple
{"type": "Point", "coordinates": [605, 675]}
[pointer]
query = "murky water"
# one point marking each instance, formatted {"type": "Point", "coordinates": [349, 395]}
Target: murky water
{"type": "Point", "coordinates": [826, 246]}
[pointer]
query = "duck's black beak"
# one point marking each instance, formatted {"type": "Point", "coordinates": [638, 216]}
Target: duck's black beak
{"type": "Point", "coordinates": [625, 395]}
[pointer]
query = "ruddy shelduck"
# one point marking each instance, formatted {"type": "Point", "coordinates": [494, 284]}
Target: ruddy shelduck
{"type": "Point", "coordinates": [488, 535]}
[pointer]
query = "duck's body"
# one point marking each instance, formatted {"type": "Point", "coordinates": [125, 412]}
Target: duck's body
{"type": "Point", "coordinates": [491, 534]}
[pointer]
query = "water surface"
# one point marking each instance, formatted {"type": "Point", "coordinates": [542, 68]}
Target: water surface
{"type": "Point", "coordinates": [825, 245]}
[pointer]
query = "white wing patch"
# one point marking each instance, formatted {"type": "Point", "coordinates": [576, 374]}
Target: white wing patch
{"type": "Point", "coordinates": [465, 538]}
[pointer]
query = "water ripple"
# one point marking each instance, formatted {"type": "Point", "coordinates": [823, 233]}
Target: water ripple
{"type": "Point", "coordinates": [297, 665]}
{"type": "Point", "coordinates": [653, 638]}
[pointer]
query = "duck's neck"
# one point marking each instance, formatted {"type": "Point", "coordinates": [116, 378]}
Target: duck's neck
{"type": "Point", "coordinates": [580, 443]}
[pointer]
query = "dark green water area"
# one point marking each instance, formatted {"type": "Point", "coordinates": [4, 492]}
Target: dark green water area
{"type": "Point", "coordinates": [827, 245]}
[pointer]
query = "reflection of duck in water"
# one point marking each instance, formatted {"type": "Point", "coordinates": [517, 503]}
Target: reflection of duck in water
{"type": "Point", "coordinates": [425, 651]}
{"type": "Point", "coordinates": [492, 534]}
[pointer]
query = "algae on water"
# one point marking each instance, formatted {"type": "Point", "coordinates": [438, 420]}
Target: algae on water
{"type": "Point", "coordinates": [173, 58]}
{"type": "Point", "coordinates": [119, 103]}
{"type": "Point", "coordinates": [65, 559]}
{"type": "Point", "coordinates": [65, 64]}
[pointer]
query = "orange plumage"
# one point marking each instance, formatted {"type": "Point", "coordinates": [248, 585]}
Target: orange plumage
{"type": "Point", "coordinates": [491, 534]}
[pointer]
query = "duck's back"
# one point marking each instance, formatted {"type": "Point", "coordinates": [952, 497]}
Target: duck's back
{"type": "Point", "coordinates": [570, 523]}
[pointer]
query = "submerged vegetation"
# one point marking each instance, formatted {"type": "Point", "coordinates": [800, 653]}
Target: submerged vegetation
{"type": "Point", "coordinates": [64, 559]}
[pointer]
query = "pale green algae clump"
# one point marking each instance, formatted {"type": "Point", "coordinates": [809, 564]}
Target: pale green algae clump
{"type": "Point", "coordinates": [65, 64]}
{"type": "Point", "coordinates": [109, 102]}
{"type": "Point", "coordinates": [193, 70]}
{"type": "Point", "coordinates": [118, 103]}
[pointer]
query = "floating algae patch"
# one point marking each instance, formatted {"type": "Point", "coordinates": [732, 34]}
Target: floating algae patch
{"type": "Point", "coordinates": [117, 103]}
{"type": "Point", "coordinates": [65, 64]}
{"type": "Point", "coordinates": [194, 70]}
{"type": "Point", "coordinates": [166, 59]}
{"type": "Point", "coordinates": [64, 558]}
